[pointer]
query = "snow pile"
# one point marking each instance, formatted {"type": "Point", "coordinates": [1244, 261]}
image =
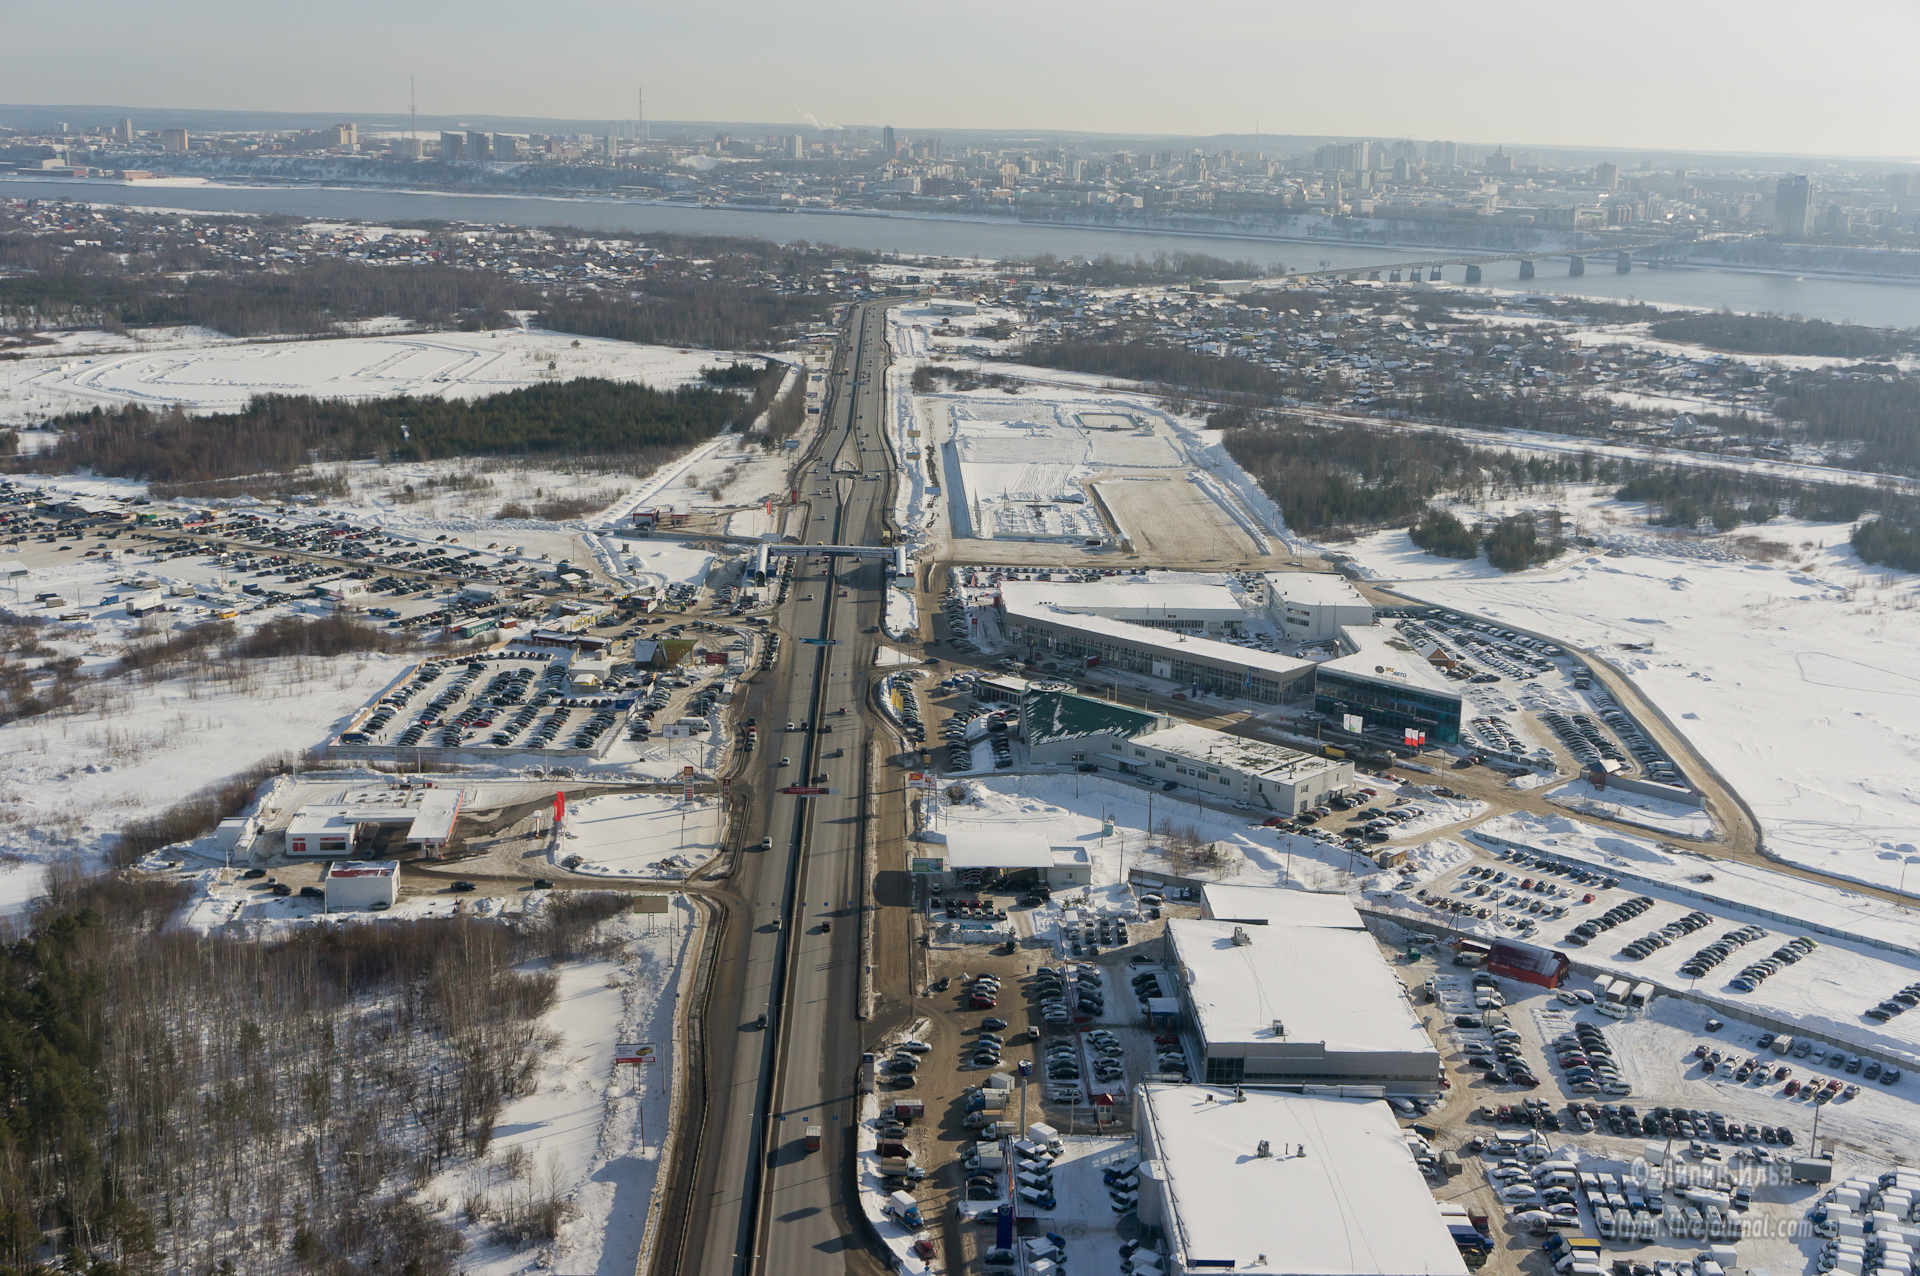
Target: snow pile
{"type": "Point", "coordinates": [1634, 808]}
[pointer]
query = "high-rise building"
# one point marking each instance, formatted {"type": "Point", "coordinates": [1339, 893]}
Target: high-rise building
{"type": "Point", "coordinates": [796, 147]}
{"type": "Point", "coordinates": [1500, 161]}
{"type": "Point", "coordinates": [123, 131]}
{"type": "Point", "coordinates": [505, 146]}
{"type": "Point", "coordinates": [889, 144]}
{"type": "Point", "coordinates": [174, 140]}
{"type": "Point", "coordinates": [1793, 207]}
{"type": "Point", "coordinates": [479, 145]}
{"type": "Point", "coordinates": [346, 135]}
{"type": "Point", "coordinates": [451, 145]}
{"type": "Point", "coordinates": [1606, 176]}
{"type": "Point", "coordinates": [1445, 154]}
{"type": "Point", "coordinates": [613, 147]}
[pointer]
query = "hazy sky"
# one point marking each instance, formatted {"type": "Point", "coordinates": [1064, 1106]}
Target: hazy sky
{"type": "Point", "coordinates": [1761, 75]}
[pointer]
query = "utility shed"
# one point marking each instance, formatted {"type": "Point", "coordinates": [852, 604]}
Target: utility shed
{"type": "Point", "coordinates": [362, 884]}
{"type": "Point", "coordinates": [1290, 1185]}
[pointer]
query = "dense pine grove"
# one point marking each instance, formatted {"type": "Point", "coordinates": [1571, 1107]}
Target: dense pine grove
{"type": "Point", "coordinates": [276, 433]}
{"type": "Point", "coordinates": [1771, 334]}
{"type": "Point", "coordinates": [1887, 544]}
{"type": "Point", "coordinates": [1439, 532]}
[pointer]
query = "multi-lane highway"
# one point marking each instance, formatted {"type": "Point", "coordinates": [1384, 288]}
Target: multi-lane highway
{"type": "Point", "coordinates": [743, 1196]}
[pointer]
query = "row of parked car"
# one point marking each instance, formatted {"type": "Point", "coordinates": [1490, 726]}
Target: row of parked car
{"type": "Point", "coordinates": [1052, 987]}
{"type": "Point", "coordinates": [1655, 763]}
{"type": "Point", "coordinates": [1778, 960]}
{"type": "Point", "coordinates": [1583, 737]}
{"type": "Point", "coordinates": [1720, 949]}
{"type": "Point", "coordinates": [1898, 1004]}
{"type": "Point", "coordinates": [954, 607]}
{"type": "Point", "coordinates": [1654, 941]}
{"type": "Point", "coordinates": [1626, 910]}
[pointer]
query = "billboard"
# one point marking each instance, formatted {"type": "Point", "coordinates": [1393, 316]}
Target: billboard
{"type": "Point", "coordinates": [637, 1052]}
{"type": "Point", "coordinates": [927, 866]}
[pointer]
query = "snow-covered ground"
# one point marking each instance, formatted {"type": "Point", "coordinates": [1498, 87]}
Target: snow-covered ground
{"type": "Point", "coordinates": [639, 834]}
{"type": "Point", "coordinates": [70, 783]}
{"type": "Point", "coordinates": [591, 1131]}
{"type": "Point", "coordinates": [206, 372]}
{"type": "Point", "coordinates": [1794, 678]}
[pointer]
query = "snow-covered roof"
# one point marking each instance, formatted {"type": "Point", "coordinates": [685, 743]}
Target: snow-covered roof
{"type": "Point", "coordinates": [991, 847]}
{"type": "Point", "coordinates": [1152, 597]}
{"type": "Point", "coordinates": [1252, 757]}
{"type": "Point", "coordinates": [1279, 906]}
{"type": "Point", "coordinates": [1318, 983]}
{"type": "Point", "coordinates": [1315, 589]}
{"type": "Point", "coordinates": [1379, 654]}
{"type": "Point", "coordinates": [1339, 1194]}
{"type": "Point", "coordinates": [363, 868]}
{"type": "Point", "coordinates": [1176, 645]}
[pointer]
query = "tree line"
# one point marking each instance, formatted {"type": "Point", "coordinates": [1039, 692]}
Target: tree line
{"type": "Point", "coordinates": [1330, 478]}
{"type": "Point", "coordinates": [1772, 334]}
{"type": "Point", "coordinates": [285, 434]}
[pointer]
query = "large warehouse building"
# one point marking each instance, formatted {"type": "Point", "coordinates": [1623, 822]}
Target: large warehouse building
{"type": "Point", "coordinates": [1298, 1005]}
{"type": "Point", "coordinates": [1293, 1185]}
{"type": "Point", "coordinates": [1172, 629]}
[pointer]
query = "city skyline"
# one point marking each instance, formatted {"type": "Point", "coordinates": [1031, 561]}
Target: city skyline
{"type": "Point", "coordinates": [1526, 78]}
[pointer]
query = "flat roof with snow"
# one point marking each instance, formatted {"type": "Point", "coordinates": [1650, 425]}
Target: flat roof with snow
{"type": "Point", "coordinates": [1176, 645]}
{"type": "Point", "coordinates": [1380, 654]}
{"type": "Point", "coordinates": [1315, 589]}
{"type": "Point", "coordinates": [992, 847]}
{"type": "Point", "coordinates": [1339, 1194]}
{"type": "Point", "coordinates": [1322, 985]}
{"type": "Point", "coordinates": [1252, 757]}
{"type": "Point", "coordinates": [1152, 598]}
{"type": "Point", "coordinates": [1279, 906]}
{"type": "Point", "coordinates": [363, 868]}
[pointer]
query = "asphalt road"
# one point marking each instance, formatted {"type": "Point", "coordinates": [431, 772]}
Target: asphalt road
{"type": "Point", "coordinates": [749, 1198]}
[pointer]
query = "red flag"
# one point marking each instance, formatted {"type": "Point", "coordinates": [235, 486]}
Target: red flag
{"type": "Point", "coordinates": [559, 806]}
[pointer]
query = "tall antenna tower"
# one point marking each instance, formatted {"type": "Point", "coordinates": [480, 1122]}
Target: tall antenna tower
{"type": "Point", "coordinates": [639, 112]}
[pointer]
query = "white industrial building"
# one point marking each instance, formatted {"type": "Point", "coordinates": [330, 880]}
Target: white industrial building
{"type": "Point", "coordinates": [1292, 1185]}
{"type": "Point", "coordinates": [1291, 1006]}
{"type": "Point", "coordinates": [1314, 606]}
{"type": "Point", "coordinates": [1267, 777]}
{"type": "Point", "coordinates": [361, 884]}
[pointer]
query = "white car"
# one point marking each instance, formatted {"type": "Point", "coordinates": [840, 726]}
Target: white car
{"type": "Point", "coordinates": [1517, 1193]}
{"type": "Point", "coordinates": [917, 1047]}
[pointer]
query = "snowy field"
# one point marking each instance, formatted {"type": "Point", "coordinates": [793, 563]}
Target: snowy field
{"type": "Point", "coordinates": [1794, 679]}
{"type": "Point", "coordinates": [205, 372]}
{"type": "Point", "coordinates": [639, 834]}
